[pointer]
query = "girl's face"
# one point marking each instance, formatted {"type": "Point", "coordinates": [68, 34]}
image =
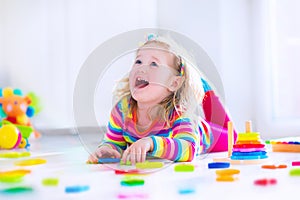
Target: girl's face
{"type": "Point", "coordinates": [151, 74]}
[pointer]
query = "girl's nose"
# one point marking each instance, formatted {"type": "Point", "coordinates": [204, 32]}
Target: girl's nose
{"type": "Point", "coordinates": [144, 68]}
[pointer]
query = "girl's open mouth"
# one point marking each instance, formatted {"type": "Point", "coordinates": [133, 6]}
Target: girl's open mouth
{"type": "Point", "coordinates": [141, 83]}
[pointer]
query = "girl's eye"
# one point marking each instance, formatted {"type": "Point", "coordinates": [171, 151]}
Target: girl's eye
{"type": "Point", "coordinates": [154, 64]}
{"type": "Point", "coordinates": [138, 62]}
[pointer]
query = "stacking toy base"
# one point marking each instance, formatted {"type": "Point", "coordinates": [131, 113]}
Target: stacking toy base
{"type": "Point", "coordinates": [241, 162]}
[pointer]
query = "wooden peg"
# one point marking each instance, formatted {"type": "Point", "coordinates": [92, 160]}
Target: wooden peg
{"type": "Point", "coordinates": [230, 137]}
{"type": "Point", "coordinates": [248, 127]}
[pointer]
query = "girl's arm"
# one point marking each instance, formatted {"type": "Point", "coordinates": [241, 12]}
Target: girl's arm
{"type": "Point", "coordinates": [114, 135]}
{"type": "Point", "coordinates": [183, 144]}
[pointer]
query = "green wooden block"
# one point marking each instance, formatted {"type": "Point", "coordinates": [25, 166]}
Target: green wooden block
{"type": "Point", "coordinates": [132, 182]}
{"type": "Point", "coordinates": [295, 172]}
{"type": "Point", "coordinates": [50, 182]}
{"type": "Point", "coordinates": [184, 168]}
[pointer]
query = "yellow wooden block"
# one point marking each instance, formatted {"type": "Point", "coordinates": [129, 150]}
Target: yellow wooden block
{"type": "Point", "coordinates": [226, 178]}
{"type": "Point", "coordinates": [252, 134]}
{"type": "Point", "coordinates": [30, 162]}
{"type": "Point", "coordinates": [14, 154]}
{"type": "Point", "coordinates": [15, 172]}
{"type": "Point", "coordinates": [13, 176]}
{"type": "Point", "coordinates": [227, 172]}
{"type": "Point", "coordinates": [149, 165]}
{"type": "Point", "coordinates": [248, 136]}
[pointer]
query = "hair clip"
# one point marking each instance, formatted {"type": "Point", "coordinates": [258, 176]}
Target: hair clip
{"type": "Point", "coordinates": [148, 37]}
{"type": "Point", "coordinates": [182, 66]}
{"type": "Point", "coordinates": [151, 36]}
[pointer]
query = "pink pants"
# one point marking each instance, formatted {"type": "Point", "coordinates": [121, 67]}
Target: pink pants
{"type": "Point", "coordinates": [217, 118]}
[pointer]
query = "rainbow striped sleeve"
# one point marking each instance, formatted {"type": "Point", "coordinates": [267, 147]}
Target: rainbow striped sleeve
{"type": "Point", "coordinates": [114, 135]}
{"type": "Point", "coordinates": [205, 135]}
{"type": "Point", "coordinates": [182, 144]}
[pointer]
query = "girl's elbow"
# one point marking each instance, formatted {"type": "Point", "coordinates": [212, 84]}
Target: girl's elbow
{"type": "Point", "coordinates": [188, 158]}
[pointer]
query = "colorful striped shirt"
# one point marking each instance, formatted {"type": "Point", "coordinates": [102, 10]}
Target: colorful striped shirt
{"type": "Point", "coordinates": [180, 141]}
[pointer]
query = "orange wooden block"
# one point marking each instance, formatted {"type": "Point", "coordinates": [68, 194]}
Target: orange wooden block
{"type": "Point", "coordinates": [285, 147]}
{"type": "Point", "coordinates": [227, 172]}
{"type": "Point", "coordinates": [248, 142]}
{"type": "Point", "coordinates": [273, 166]}
{"type": "Point", "coordinates": [226, 178]}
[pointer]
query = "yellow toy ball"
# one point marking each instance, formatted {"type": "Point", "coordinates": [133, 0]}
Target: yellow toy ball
{"type": "Point", "coordinates": [10, 137]}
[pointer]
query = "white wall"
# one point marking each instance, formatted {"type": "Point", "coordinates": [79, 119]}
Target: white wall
{"type": "Point", "coordinates": [222, 28]}
{"type": "Point", "coordinates": [3, 77]}
{"type": "Point", "coordinates": [44, 44]}
{"type": "Point", "coordinates": [236, 61]}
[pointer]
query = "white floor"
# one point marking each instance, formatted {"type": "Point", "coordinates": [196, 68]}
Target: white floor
{"type": "Point", "coordinates": [66, 156]}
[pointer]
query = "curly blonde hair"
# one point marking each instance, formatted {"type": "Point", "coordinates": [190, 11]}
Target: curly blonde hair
{"type": "Point", "coordinates": [186, 99]}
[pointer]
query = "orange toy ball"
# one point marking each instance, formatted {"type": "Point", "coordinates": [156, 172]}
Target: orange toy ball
{"type": "Point", "coordinates": [10, 137]}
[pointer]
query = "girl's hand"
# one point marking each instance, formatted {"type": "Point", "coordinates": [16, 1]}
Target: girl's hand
{"type": "Point", "coordinates": [103, 152]}
{"type": "Point", "coordinates": [138, 150]}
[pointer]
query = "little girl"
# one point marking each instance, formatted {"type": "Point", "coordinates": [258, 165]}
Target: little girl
{"type": "Point", "coordinates": [155, 112]}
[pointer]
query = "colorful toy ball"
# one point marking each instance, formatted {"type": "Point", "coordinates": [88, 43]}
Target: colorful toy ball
{"type": "Point", "coordinates": [17, 109]}
{"type": "Point", "coordinates": [10, 137]}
